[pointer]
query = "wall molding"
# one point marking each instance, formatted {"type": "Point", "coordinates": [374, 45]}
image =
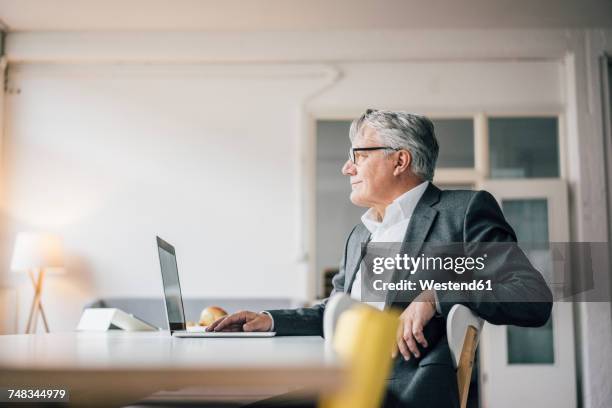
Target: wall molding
{"type": "Point", "coordinates": [286, 46]}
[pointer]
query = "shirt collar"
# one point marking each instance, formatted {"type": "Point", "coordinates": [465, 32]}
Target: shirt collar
{"type": "Point", "coordinates": [400, 209]}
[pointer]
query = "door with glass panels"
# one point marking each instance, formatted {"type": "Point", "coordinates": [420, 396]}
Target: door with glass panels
{"type": "Point", "coordinates": [531, 366]}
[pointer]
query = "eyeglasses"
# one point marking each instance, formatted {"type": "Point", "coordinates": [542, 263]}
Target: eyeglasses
{"type": "Point", "coordinates": [352, 151]}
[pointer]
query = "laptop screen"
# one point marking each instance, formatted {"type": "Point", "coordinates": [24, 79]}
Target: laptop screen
{"type": "Point", "coordinates": [172, 287]}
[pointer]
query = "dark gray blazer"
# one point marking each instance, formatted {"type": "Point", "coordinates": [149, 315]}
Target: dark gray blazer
{"type": "Point", "coordinates": [445, 217]}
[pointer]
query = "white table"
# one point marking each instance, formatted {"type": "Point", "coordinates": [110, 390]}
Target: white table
{"type": "Point", "coordinates": [113, 368]}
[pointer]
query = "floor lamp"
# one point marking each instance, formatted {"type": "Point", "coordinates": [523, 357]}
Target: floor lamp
{"type": "Point", "coordinates": [37, 253]}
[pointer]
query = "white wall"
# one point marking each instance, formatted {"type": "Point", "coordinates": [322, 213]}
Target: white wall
{"type": "Point", "coordinates": [8, 300]}
{"type": "Point", "coordinates": [206, 157]}
{"type": "Point", "coordinates": [444, 87]}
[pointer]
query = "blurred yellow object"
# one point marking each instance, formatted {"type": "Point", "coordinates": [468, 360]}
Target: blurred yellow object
{"type": "Point", "coordinates": [364, 338]}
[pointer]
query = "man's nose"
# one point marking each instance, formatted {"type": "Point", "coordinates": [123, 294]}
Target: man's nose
{"type": "Point", "coordinates": [349, 168]}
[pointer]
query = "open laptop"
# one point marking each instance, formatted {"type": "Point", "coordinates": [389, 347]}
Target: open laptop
{"type": "Point", "coordinates": [174, 300]}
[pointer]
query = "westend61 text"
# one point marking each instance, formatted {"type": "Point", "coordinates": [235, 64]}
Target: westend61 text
{"type": "Point", "coordinates": [429, 284]}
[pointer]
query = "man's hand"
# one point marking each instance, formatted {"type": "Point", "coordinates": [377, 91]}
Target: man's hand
{"type": "Point", "coordinates": [242, 321]}
{"type": "Point", "coordinates": [412, 321]}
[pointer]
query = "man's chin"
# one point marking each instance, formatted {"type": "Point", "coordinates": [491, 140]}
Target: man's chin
{"type": "Point", "coordinates": [357, 200]}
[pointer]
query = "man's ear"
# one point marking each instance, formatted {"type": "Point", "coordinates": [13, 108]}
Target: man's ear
{"type": "Point", "coordinates": [402, 162]}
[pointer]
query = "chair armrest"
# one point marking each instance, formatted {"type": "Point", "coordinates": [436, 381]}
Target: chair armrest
{"type": "Point", "coordinates": [457, 323]}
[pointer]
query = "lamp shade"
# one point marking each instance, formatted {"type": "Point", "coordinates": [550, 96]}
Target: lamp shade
{"type": "Point", "coordinates": [37, 250]}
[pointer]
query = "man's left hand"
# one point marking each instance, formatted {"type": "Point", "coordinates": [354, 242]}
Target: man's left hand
{"type": "Point", "coordinates": [412, 321]}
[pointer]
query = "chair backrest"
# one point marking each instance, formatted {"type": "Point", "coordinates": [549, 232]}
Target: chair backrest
{"type": "Point", "coordinates": [336, 305]}
{"type": "Point", "coordinates": [364, 338]}
{"type": "Point", "coordinates": [463, 329]}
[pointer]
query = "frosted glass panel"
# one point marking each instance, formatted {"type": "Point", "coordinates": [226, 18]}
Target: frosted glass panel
{"type": "Point", "coordinates": [529, 218]}
{"type": "Point", "coordinates": [529, 345]}
{"type": "Point", "coordinates": [523, 147]}
{"type": "Point", "coordinates": [456, 140]}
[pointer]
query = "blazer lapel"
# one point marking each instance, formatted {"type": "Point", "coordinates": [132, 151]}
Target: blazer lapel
{"type": "Point", "coordinates": [354, 258]}
{"type": "Point", "coordinates": [416, 233]}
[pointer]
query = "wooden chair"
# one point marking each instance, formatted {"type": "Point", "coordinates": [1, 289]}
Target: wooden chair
{"type": "Point", "coordinates": [364, 338]}
{"type": "Point", "coordinates": [463, 329]}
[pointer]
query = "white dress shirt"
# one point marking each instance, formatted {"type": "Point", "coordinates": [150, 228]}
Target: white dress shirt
{"type": "Point", "coordinates": [392, 228]}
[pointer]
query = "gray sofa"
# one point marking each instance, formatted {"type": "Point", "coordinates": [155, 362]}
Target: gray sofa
{"type": "Point", "coordinates": [152, 310]}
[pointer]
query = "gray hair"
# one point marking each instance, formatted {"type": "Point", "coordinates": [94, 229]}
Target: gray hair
{"type": "Point", "coordinates": [403, 130]}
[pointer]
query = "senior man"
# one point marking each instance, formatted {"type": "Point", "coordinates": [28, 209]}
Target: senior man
{"type": "Point", "coordinates": [391, 167]}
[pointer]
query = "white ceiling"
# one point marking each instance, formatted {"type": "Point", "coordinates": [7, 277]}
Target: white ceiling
{"type": "Point", "coordinates": [158, 15]}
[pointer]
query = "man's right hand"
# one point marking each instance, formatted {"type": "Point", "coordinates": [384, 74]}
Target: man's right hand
{"type": "Point", "coordinates": [242, 321]}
